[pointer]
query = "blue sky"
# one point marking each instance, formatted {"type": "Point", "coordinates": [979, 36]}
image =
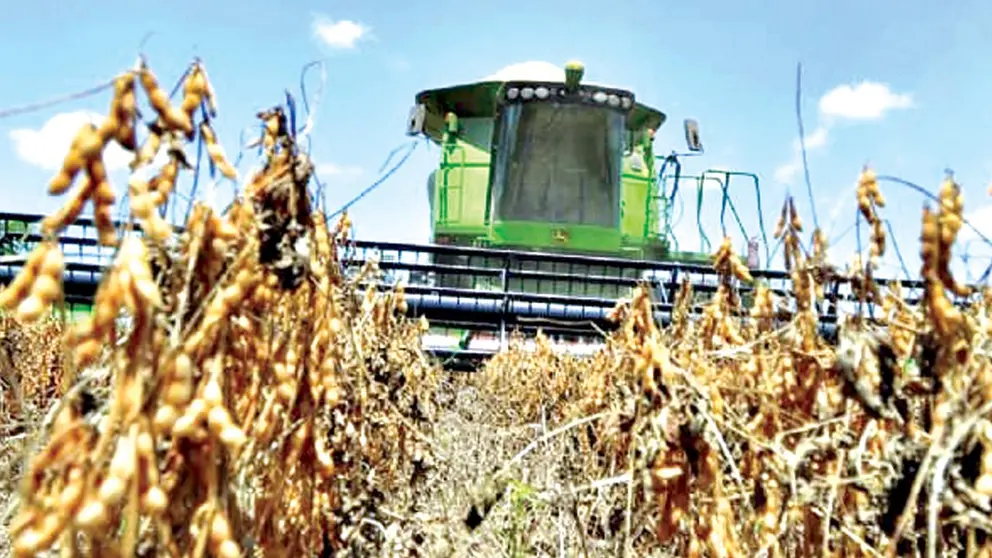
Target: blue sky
{"type": "Point", "coordinates": [900, 85]}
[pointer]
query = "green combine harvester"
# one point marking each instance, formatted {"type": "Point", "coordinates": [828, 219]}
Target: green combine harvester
{"type": "Point", "coordinates": [548, 205]}
{"type": "Point", "coordinates": [534, 159]}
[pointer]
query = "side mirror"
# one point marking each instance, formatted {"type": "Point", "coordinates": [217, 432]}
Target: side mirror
{"type": "Point", "coordinates": [415, 124]}
{"type": "Point", "coordinates": [692, 135]}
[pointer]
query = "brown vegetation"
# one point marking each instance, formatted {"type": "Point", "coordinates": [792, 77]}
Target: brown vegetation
{"type": "Point", "coordinates": [260, 403]}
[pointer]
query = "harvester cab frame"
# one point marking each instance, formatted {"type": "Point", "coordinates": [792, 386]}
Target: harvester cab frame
{"type": "Point", "coordinates": [501, 181]}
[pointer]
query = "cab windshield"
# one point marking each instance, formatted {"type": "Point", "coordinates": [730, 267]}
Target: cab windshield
{"type": "Point", "coordinates": [559, 163]}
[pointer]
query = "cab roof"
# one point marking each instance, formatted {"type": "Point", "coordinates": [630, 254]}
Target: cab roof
{"type": "Point", "coordinates": [478, 99]}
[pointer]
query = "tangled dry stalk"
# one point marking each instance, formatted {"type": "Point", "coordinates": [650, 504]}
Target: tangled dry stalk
{"type": "Point", "coordinates": [228, 413]}
{"type": "Point", "coordinates": [234, 393]}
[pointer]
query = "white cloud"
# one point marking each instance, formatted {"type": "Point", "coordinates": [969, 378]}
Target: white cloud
{"type": "Point", "coordinates": [981, 219]}
{"type": "Point", "coordinates": [330, 169]}
{"type": "Point", "coordinates": [153, 167]}
{"type": "Point", "coordinates": [47, 147]}
{"type": "Point", "coordinates": [534, 70]}
{"type": "Point", "coordinates": [814, 140]}
{"type": "Point", "coordinates": [867, 100]}
{"type": "Point", "coordinates": [343, 34]}
{"type": "Point", "coordinates": [788, 172]}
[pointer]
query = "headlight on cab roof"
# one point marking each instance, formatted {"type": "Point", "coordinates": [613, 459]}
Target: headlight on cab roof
{"type": "Point", "coordinates": [532, 92]}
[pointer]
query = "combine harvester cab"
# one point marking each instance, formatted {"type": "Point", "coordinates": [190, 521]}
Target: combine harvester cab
{"type": "Point", "coordinates": [548, 194]}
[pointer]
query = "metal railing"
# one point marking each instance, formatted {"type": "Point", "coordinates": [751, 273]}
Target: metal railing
{"type": "Point", "coordinates": [499, 290]}
{"type": "Point", "coordinates": [479, 289]}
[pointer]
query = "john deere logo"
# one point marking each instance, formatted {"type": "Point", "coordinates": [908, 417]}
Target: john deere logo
{"type": "Point", "coordinates": [560, 235]}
